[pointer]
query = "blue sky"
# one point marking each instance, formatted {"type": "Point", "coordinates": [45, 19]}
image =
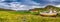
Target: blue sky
{"type": "Point", "coordinates": [27, 4]}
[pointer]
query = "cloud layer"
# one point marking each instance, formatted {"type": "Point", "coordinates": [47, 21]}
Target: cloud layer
{"type": "Point", "coordinates": [27, 4]}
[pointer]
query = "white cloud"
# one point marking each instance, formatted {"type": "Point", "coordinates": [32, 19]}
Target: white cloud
{"type": "Point", "coordinates": [22, 5]}
{"type": "Point", "coordinates": [57, 5]}
{"type": "Point", "coordinates": [19, 5]}
{"type": "Point", "coordinates": [2, 0]}
{"type": "Point", "coordinates": [14, 4]}
{"type": "Point", "coordinates": [36, 6]}
{"type": "Point", "coordinates": [3, 5]}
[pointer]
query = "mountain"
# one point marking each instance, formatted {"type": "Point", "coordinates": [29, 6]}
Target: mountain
{"type": "Point", "coordinates": [50, 6]}
{"type": "Point", "coordinates": [46, 8]}
{"type": "Point", "coordinates": [2, 9]}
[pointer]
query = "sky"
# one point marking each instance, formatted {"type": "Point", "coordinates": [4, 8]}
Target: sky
{"type": "Point", "coordinates": [27, 4]}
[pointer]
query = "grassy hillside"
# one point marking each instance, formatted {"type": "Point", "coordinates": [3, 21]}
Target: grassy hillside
{"type": "Point", "coordinates": [8, 16]}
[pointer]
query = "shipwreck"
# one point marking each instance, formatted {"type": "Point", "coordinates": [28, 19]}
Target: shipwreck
{"type": "Point", "coordinates": [51, 13]}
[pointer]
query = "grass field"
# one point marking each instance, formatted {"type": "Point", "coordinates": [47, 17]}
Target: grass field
{"type": "Point", "coordinates": [11, 16]}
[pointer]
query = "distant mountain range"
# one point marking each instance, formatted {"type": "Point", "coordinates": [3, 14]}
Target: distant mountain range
{"type": "Point", "coordinates": [2, 9]}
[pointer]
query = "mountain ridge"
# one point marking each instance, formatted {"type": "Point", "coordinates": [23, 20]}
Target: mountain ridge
{"type": "Point", "coordinates": [47, 8]}
{"type": "Point", "coordinates": [3, 9]}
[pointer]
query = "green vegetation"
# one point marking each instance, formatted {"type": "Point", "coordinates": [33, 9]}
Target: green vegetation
{"type": "Point", "coordinates": [5, 16]}
{"type": "Point", "coordinates": [11, 16]}
{"type": "Point", "coordinates": [27, 16]}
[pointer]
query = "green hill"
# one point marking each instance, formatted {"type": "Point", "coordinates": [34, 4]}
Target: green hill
{"type": "Point", "coordinates": [46, 8]}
